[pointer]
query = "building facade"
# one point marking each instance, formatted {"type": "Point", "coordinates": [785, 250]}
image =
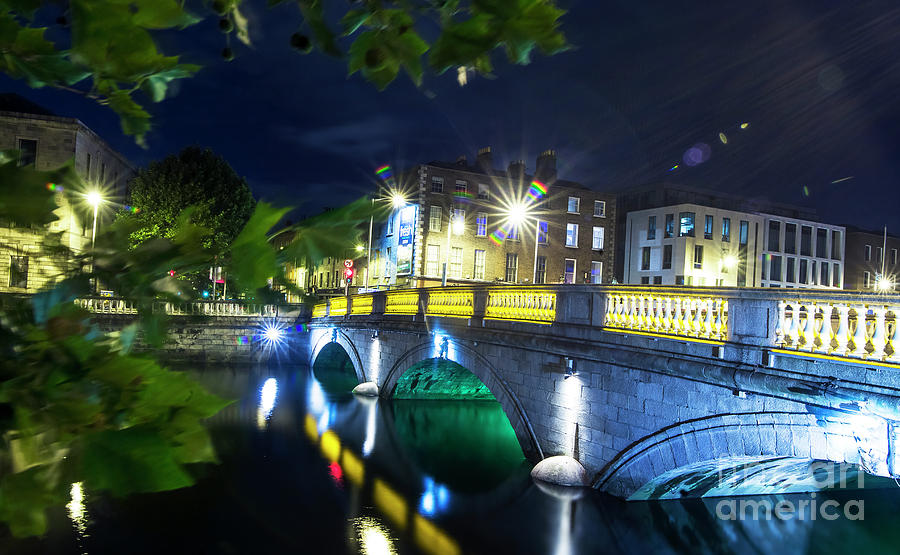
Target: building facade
{"type": "Point", "coordinates": [29, 261]}
{"type": "Point", "coordinates": [866, 251]}
{"type": "Point", "coordinates": [459, 216]}
{"type": "Point", "coordinates": [691, 244]}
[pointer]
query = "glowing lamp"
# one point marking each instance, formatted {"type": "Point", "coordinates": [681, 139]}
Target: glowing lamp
{"type": "Point", "coordinates": [884, 283]}
{"type": "Point", "coordinates": [517, 214]}
{"type": "Point", "coordinates": [272, 335]}
{"type": "Point", "coordinates": [398, 200]}
{"type": "Point", "coordinates": [359, 248]}
{"type": "Point", "coordinates": [730, 261]}
{"type": "Point", "coordinates": [94, 198]}
{"type": "Point", "coordinates": [458, 226]}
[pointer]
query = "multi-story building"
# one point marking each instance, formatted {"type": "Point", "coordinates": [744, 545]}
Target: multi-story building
{"type": "Point", "coordinates": [489, 225]}
{"type": "Point", "coordinates": [691, 244]}
{"type": "Point", "coordinates": [47, 141]}
{"type": "Point", "coordinates": [867, 253]}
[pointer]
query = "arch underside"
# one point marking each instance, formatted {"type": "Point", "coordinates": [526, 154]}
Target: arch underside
{"type": "Point", "coordinates": [339, 338]}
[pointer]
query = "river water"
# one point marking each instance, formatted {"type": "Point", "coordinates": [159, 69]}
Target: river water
{"type": "Point", "coordinates": [308, 468]}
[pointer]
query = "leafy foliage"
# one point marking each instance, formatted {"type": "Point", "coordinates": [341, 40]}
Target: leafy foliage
{"type": "Point", "coordinates": [195, 177]}
{"type": "Point", "coordinates": [112, 54]}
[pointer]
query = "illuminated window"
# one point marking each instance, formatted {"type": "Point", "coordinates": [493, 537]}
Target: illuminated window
{"type": "Point", "coordinates": [513, 233]}
{"type": "Point", "coordinates": [543, 233]}
{"type": "Point", "coordinates": [670, 225]}
{"type": "Point", "coordinates": [708, 228]}
{"type": "Point", "coordinates": [867, 280]}
{"type": "Point", "coordinates": [434, 218]}
{"type": "Point", "coordinates": [461, 186]}
{"type": "Point", "coordinates": [698, 256]}
{"type": "Point", "coordinates": [18, 271]}
{"type": "Point", "coordinates": [726, 230]}
{"type": "Point", "coordinates": [432, 260]}
{"type": "Point", "coordinates": [512, 267]}
{"type": "Point", "coordinates": [456, 262]}
{"type": "Point", "coordinates": [878, 255]}
{"type": "Point", "coordinates": [596, 271]}
{"type": "Point", "coordinates": [540, 275]}
{"type": "Point", "coordinates": [686, 220]}
{"type": "Point", "coordinates": [645, 258]}
{"type": "Point", "coordinates": [437, 184]}
{"type": "Point", "coordinates": [574, 205]}
{"type": "Point", "coordinates": [651, 228]}
{"type": "Point", "coordinates": [894, 256]}
{"type": "Point", "coordinates": [775, 268]}
{"type": "Point", "coordinates": [743, 232]}
{"type": "Point", "coordinates": [599, 208]}
{"type": "Point", "coordinates": [481, 224]}
{"type": "Point", "coordinates": [597, 239]}
{"type": "Point", "coordinates": [484, 191]}
{"type": "Point", "coordinates": [571, 235]}
{"type": "Point", "coordinates": [569, 274]}
{"type": "Point", "coordinates": [657, 280]}
{"type": "Point", "coordinates": [479, 264]}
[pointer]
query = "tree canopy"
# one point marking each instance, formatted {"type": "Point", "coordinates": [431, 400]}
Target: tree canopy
{"type": "Point", "coordinates": [110, 54]}
{"type": "Point", "coordinates": [221, 200]}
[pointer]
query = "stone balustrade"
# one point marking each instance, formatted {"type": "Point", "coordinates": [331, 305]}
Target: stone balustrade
{"type": "Point", "coordinates": [112, 305]}
{"type": "Point", "coordinates": [853, 326]}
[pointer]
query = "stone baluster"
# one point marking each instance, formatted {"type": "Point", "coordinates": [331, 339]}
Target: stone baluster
{"type": "Point", "coordinates": [807, 325]}
{"type": "Point", "coordinates": [793, 327]}
{"type": "Point", "coordinates": [893, 335]}
{"type": "Point", "coordinates": [610, 310]}
{"type": "Point", "coordinates": [821, 328]}
{"type": "Point", "coordinates": [707, 319]}
{"type": "Point", "coordinates": [719, 323]}
{"type": "Point", "coordinates": [780, 324]}
{"type": "Point", "coordinates": [629, 311]}
{"type": "Point", "coordinates": [842, 333]}
{"type": "Point", "coordinates": [656, 304]}
{"type": "Point", "coordinates": [879, 334]}
{"type": "Point", "coordinates": [860, 334]}
{"type": "Point", "coordinates": [697, 321]}
{"type": "Point", "coordinates": [686, 305]}
{"type": "Point", "coordinates": [646, 318]}
{"type": "Point", "coordinates": [666, 315]}
{"type": "Point", "coordinates": [677, 323]}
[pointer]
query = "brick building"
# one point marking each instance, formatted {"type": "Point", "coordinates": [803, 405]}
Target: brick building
{"type": "Point", "coordinates": [457, 215]}
{"type": "Point", "coordinates": [865, 252]}
{"type": "Point", "coordinates": [48, 141]}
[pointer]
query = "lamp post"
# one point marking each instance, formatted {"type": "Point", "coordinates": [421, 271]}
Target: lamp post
{"type": "Point", "coordinates": [94, 198]}
{"type": "Point", "coordinates": [518, 216]}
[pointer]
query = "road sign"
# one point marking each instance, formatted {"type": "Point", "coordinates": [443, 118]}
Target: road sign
{"type": "Point", "coordinates": [348, 263]}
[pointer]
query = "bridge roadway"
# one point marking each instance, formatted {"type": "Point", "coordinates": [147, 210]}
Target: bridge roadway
{"type": "Point", "coordinates": [660, 392]}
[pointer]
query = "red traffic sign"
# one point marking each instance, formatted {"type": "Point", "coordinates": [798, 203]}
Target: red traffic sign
{"type": "Point", "coordinates": [348, 263]}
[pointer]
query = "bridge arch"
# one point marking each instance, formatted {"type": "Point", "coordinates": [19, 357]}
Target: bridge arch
{"type": "Point", "coordinates": [334, 335]}
{"type": "Point", "coordinates": [748, 453]}
{"type": "Point", "coordinates": [478, 365]}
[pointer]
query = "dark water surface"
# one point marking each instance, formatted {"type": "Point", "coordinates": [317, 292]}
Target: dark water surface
{"type": "Point", "coordinates": [308, 468]}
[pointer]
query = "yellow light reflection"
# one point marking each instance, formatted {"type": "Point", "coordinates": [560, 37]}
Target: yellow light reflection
{"type": "Point", "coordinates": [353, 467]}
{"type": "Point", "coordinates": [390, 503]}
{"type": "Point", "coordinates": [374, 538]}
{"type": "Point", "coordinates": [431, 539]}
{"type": "Point", "coordinates": [309, 426]}
{"type": "Point", "coordinates": [76, 509]}
{"type": "Point", "coordinates": [331, 445]}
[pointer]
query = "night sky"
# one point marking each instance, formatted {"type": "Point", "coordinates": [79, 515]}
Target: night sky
{"type": "Point", "coordinates": [818, 82]}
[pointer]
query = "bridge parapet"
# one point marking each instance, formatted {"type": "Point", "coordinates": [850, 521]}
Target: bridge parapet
{"type": "Point", "coordinates": [117, 306]}
{"type": "Point", "coordinates": [847, 326]}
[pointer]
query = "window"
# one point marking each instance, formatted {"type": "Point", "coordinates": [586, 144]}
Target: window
{"type": "Point", "coordinates": [481, 224]}
{"type": "Point", "coordinates": [679, 280]}
{"type": "Point", "coordinates": [726, 230]}
{"type": "Point", "coordinates": [879, 254]}
{"type": "Point", "coordinates": [459, 221]}
{"type": "Point", "coordinates": [390, 224]}
{"type": "Point", "coordinates": [571, 235]}
{"type": "Point", "coordinates": [835, 245]}
{"type": "Point", "coordinates": [432, 260]}
{"type": "Point", "coordinates": [434, 218]}
{"type": "Point", "coordinates": [645, 280]}
{"type": "Point", "coordinates": [894, 256]}
{"type": "Point", "coordinates": [667, 257]}
{"type": "Point", "coordinates": [645, 258]}
{"type": "Point", "coordinates": [574, 205]}
{"type": "Point", "coordinates": [484, 191]}
{"type": "Point", "coordinates": [437, 184]}
{"type": "Point", "coordinates": [775, 268]}
{"type": "Point", "coordinates": [813, 275]}
{"type": "Point", "coordinates": [867, 280]}
{"type": "Point", "coordinates": [543, 232]}
{"type": "Point", "coordinates": [868, 256]}
{"type": "Point", "coordinates": [596, 271]}
{"type": "Point", "coordinates": [698, 256]}
{"type": "Point", "coordinates": [822, 243]}
{"type": "Point", "coordinates": [28, 152]}
{"type": "Point", "coordinates": [599, 208]}
{"type": "Point", "coordinates": [804, 271]}
{"type": "Point", "coordinates": [791, 263]}
{"type": "Point", "coordinates": [102, 173]}
{"type": "Point", "coordinates": [670, 225]}
{"type": "Point", "coordinates": [540, 276]}
{"type": "Point", "coordinates": [569, 274]}
{"type": "Point", "coordinates": [805, 240]}
{"type": "Point", "coordinates": [479, 264]}
{"type": "Point", "coordinates": [708, 228]}
{"type": "Point", "coordinates": [743, 232]}
{"type": "Point", "coordinates": [512, 267]}
{"type": "Point", "coordinates": [455, 269]}
{"type": "Point", "coordinates": [387, 262]}
{"type": "Point", "coordinates": [651, 228]}
{"type": "Point", "coordinates": [657, 280]}
{"type": "Point", "coordinates": [18, 271]}
{"type": "Point", "coordinates": [774, 243]}
{"type": "Point", "coordinates": [597, 239]}
{"type": "Point", "coordinates": [513, 233]}
{"type": "Point", "coordinates": [825, 276]}
{"type": "Point", "coordinates": [462, 187]}
{"type": "Point", "coordinates": [837, 275]}
{"type": "Point", "coordinates": [686, 220]}
{"type": "Point", "coordinates": [790, 238]}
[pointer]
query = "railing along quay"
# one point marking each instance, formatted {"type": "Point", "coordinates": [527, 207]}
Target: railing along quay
{"type": "Point", "coordinates": [112, 305]}
{"type": "Point", "coordinates": [824, 323]}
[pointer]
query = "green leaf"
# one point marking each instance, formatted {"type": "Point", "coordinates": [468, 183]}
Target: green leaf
{"type": "Point", "coordinates": [130, 461]}
{"type": "Point", "coordinates": [134, 119]}
{"type": "Point", "coordinates": [253, 258]}
{"type": "Point", "coordinates": [354, 19]}
{"type": "Point", "coordinates": [162, 14]}
{"type": "Point", "coordinates": [322, 36]}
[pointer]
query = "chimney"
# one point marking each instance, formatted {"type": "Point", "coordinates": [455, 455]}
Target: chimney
{"type": "Point", "coordinates": [516, 170]}
{"type": "Point", "coordinates": [545, 168]}
{"type": "Point", "coordinates": [461, 161]}
{"type": "Point", "coordinates": [485, 159]}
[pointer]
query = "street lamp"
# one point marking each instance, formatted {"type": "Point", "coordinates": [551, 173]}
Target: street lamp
{"type": "Point", "coordinates": [95, 199]}
{"type": "Point", "coordinates": [398, 201]}
{"type": "Point", "coordinates": [517, 215]}
{"type": "Point", "coordinates": [883, 283]}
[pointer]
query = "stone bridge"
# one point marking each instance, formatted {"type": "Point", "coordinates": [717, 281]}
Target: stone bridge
{"type": "Point", "coordinates": [658, 391]}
